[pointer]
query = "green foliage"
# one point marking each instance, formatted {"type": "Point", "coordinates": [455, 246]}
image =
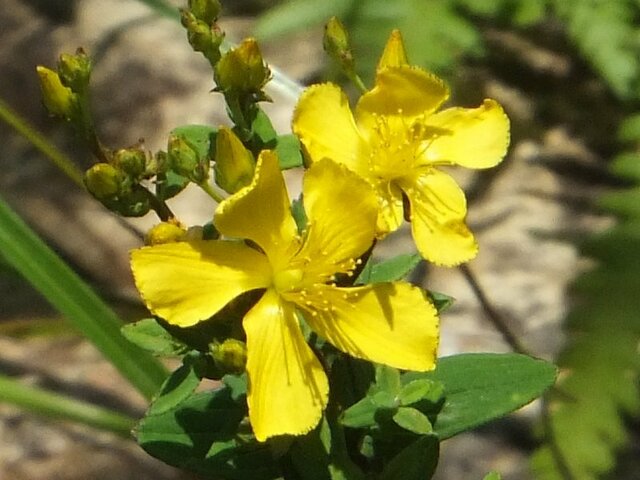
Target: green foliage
{"type": "Point", "coordinates": [481, 387]}
{"type": "Point", "coordinates": [601, 357]}
{"type": "Point", "coordinates": [201, 434]}
{"type": "Point", "coordinates": [606, 34]}
{"type": "Point", "coordinates": [439, 33]}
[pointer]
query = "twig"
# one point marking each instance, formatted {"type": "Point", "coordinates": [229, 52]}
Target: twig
{"type": "Point", "coordinates": [492, 314]}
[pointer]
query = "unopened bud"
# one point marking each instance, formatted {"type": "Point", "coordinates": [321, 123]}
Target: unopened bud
{"type": "Point", "coordinates": [242, 69]}
{"type": "Point", "coordinates": [131, 161]}
{"type": "Point", "coordinates": [394, 54]}
{"type": "Point", "coordinates": [234, 164]}
{"type": "Point", "coordinates": [337, 45]}
{"type": "Point", "coordinates": [103, 181]}
{"type": "Point", "coordinates": [185, 161]}
{"type": "Point", "coordinates": [203, 37]}
{"type": "Point", "coordinates": [165, 232]}
{"type": "Point", "coordinates": [230, 356]}
{"type": "Point", "coordinates": [206, 11]}
{"type": "Point", "coordinates": [75, 70]}
{"type": "Point", "coordinates": [58, 99]}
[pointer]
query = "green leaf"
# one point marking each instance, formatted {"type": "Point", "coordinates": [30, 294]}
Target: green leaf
{"type": "Point", "coordinates": [492, 476]}
{"type": "Point", "coordinates": [288, 150]}
{"type": "Point", "coordinates": [388, 379]}
{"type": "Point", "coordinates": [169, 184]}
{"type": "Point", "coordinates": [413, 420]}
{"type": "Point", "coordinates": [627, 165]}
{"type": "Point", "coordinates": [361, 414]}
{"type": "Point", "coordinates": [177, 388]}
{"type": "Point", "coordinates": [480, 387]}
{"type": "Point", "coordinates": [420, 389]}
{"type": "Point", "coordinates": [200, 435]}
{"type": "Point", "coordinates": [389, 270]}
{"type": "Point", "coordinates": [629, 129]}
{"type": "Point", "coordinates": [297, 15]}
{"type": "Point", "coordinates": [80, 305]}
{"type": "Point", "coordinates": [440, 300]}
{"type": "Point", "coordinates": [198, 137]}
{"type": "Point", "coordinates": [263, 129]}
{"type": "Point", "coordinates": [416, 462]}
{"type": "Point", "coordinates": [149, 335]}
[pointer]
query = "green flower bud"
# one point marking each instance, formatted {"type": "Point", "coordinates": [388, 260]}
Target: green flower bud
{"type": "Point", "coordinates": [103, 181]}
{"type": "Point", "coordinates": [58, 99]}
{"type": "Point", "coordinates": [131, 161]}
{"type": "Point", "coordinates": [206, 11]}
{"type": "Point", "coordinates": [165, 232]}
{"type": "Point", "coordinates": [184, 160]}
{"type": "Point", "coordinates": [75, 70]}
{"type": "Point", "coordinates": [242, 70]}
{"type": "Point", "coordinates": [336, 43]}
{"type": "Point", "coordinates": [230, 356]}
{"type": "Point", "coordinates": [234, 165]}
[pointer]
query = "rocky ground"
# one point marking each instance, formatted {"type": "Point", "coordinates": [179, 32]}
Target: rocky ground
{"type": "Point", "coordinates": [147, 80]}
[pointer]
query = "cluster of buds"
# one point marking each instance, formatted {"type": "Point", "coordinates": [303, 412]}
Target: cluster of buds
{"type": "Point", "coordinates": [64, 90]}
{"type": "Point", "coordinates": [116, 184]}
{"type": "Point", "coordinates": [200, 20]}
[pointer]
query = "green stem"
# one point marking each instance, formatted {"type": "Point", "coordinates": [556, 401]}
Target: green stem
{"type": "Point", "coordinates": [209, 190]}
{"type": "Point", "coordinates": [70, 295]}
{"type": "Point", "coordinates": [357, 81]}
{"type": "Point", "coordinates": [61, 407]}
{"type": "Point", "coordinates": [59, 159]}
{"type": "Point", "coordinates": [160, 207]}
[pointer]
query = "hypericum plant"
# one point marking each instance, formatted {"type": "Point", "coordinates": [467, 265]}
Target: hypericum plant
{"type": "Point", "coordinates": [325, 360]}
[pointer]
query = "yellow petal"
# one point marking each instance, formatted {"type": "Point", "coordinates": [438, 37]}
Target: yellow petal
{"type": "Point", "coordinates": [188, 282]}
{"type": "Point", "coordinates": [390, 205]}
{"type": "Point", "coordinates": [477, 137]}
{"type": "Point", "coordinates": [438, 210]}
{"type": "Point", "coordinates": [341, 210]}
{"type": "Point", "coordinates": [324, 123]}
{"type": "Point", "coordinates": [405, 90]}
{"type": "Point", "coordinates": [261, 212]}
{"type": "Point", "coordinates": [390, 323]}
{"type": "Point", "coordinates": [394, 53]}
{"type": "Point", "coordinates": [288, 389]}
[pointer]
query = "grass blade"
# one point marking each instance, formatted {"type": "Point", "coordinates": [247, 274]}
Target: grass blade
{"type": "Point", "coordinates": [61, 407]}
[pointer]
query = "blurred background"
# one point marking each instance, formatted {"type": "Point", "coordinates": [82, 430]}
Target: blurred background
{"type": "Point", "coordinates": [558, 222]}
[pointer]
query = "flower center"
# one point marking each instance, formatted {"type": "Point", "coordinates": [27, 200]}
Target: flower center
{"type": "Point", "coordinates": [287, 280]}
{"type": "Point", "coordinates": [396, 146]}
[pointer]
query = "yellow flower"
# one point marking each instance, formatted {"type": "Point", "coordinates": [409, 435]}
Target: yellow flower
{"type": "Point", "coordinates": [397, 140]}
{"type": "Point", "coordinates": [188, 282]}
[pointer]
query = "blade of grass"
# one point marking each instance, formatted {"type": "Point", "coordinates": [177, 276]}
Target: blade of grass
{"type": "Point", "coordinates": [62, 407]}
{"type": "Point", "coordinates": [80, 305]}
